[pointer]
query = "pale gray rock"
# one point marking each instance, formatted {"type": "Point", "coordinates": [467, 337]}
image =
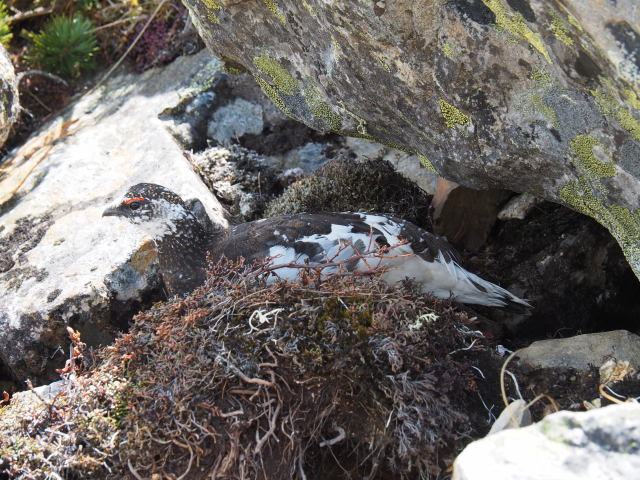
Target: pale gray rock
{"type": "Point", "coordinates": [407, 164]}
{"type": "Point", "coordinates": [515, 415]}
{"type": "Point", "coordinates": [45, 393]}
{"type": "Point", "coordinates": [62, 263]}
{"type": "Point", "coordinates": [599, 444]}
{"type": "Point", "coordinates": [534, 96]}
{"type": "Point", "coordinates": [518, 207]}
{"type": "Point", "coordinates": [242, 179]}
{"type": "Point", "coordinates": [235, 120]}
{"type": "Point", "coordinates": [9, 101]}
{"type": "Point", "coordinates": [309, 157]}
{"type": "Point", "coordinates": [581, 351]}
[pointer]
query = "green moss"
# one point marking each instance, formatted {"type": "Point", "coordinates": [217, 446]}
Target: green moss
{"type": "Point", "coordinates": [611, 107]}
{"type": "Point", "coordinates": [370, 185]}
{"type": "Point", "coordinates": [321, 108]}
{"type": "Point", "coordinates": [212, 6]}
{"type": "Point", "coordinates": [560, 30]}
{"type": "Point", "coordinates": [452, 116]}
{"type": "Point", "coordinates": [582, 148]}
{"type": "Point", "coordinates": [283, 81]}
{"type": "Point", "coordinates": [5, 25]}
{"type": "Point", "coordinates": [426, 163]}
{"type": "Point", "coordinates": [309, 7]}
{"type": "Point", "coordinates": [273, 6]}
{"type": "Point", "coordinates": [273, 94]}
{"type": "Point", "coordinates": [545, 109]}
{"type": "Point", "coordinates": [514, 23]}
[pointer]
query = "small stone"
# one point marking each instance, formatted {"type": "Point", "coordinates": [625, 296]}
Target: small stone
{"type": "Point", "coordinates": [518, 207]}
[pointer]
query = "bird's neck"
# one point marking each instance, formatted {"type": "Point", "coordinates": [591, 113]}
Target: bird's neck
{"type": "Point", "coordinates": [182, 255]}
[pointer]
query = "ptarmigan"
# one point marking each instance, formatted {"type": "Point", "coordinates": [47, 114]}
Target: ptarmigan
{"type": "Point", "coordinates": [348, 241]}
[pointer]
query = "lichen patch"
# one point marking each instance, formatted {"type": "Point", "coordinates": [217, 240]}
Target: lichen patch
{"type": "Point", "coordinates": [584, 158]}
{"type": "Point", "coordinates": [514, 23]}
{"type": "Point", "coordinates": [273, 7]}
{"type": "Point", "coordinates": [453, 116]}
{"type": "Point", "coordinates": [560, 30]}
{"type": "Point", "coordinates": [212, 6]}
{"type": "Point", "coordinates": [282, 79]}
{"type": "Point", "coordinates": [610, 106]}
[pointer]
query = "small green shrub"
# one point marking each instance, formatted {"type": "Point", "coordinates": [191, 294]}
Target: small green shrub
{"type": "Point", "coordinates": [5, 28]}
{"type": "Point", "coordinates": [65, 46]}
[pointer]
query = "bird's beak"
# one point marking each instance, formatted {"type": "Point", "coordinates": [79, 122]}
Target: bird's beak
{"type": "Point", "coordinates": [111, 212]}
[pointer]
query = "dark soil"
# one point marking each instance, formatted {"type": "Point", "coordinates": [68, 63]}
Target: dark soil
{"type": "Point", "coordinates": [570, 389]}
{"type": "Point", "coordinates": [569, 267]}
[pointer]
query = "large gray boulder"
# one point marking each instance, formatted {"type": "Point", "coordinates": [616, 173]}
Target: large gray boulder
{"type": "Point", "coordinates": [61, 263]}
{"type": "Point", "coordinates": [593, 445]}
{"type": "Point", "coordinates": [533, 96]}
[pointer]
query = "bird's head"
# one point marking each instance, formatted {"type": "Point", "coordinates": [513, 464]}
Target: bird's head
{"type": "Point", "coordinates": [151, 206]}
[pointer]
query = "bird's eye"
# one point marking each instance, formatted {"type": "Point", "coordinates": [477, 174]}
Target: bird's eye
{"type": "Point", "coordinates": [134, 205]}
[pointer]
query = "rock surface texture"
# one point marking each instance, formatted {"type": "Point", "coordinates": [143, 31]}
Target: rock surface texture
{"type": "Point", "coordinates": [582, 351]}
{"type": "Point", "coordinates": [533, 96]}
{"type": "Point", "coordinates": [601, 443]}
{"type": "Point", "coordinates": [60, 262]}
{"type": "Point", "coordinates": [9, 103]}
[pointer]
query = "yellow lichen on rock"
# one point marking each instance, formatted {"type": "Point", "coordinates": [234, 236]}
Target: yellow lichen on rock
{"type": "Point", "coordinates": [514, 24]}
{"type": "Point", "coordinates": [272, 94]}
{"type": "Point", "coordinates": [551, 115]}
{"type": "Point", "coordinates": [282, 79]}
{"type": "Point", "coordinates": [560, 30]}
{"type": "Point", "coordinates": [310, 8]}
{"type": "Point", "coordinates": [582, 148]}
{"type": "Point", "coordinates": [452, 116]}
{"type": "Point", "coordinates": [272, 5]}
{"type": "Point", "coordinates": [632, 97]}
{"type": "Point", "coordinates": [574, 22]}
{"type": "Point", "coordinates": [588, 196]}
{"type": "Point", "coordinates": [212, 6]}
{"type": "Point", "coordinates": [320, 108]}
{"type": "Point", "coordinates": [610, 106]}
{"type": "Point", "coordinates": [623, 224]}
{"type": "Point", "coordinates": [426, 163]}
{"type": "Point", "coordinates": [448, 50]}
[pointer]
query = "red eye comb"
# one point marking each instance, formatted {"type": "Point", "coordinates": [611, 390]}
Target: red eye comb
{"type": "Point", "coordinates": [129, 201]}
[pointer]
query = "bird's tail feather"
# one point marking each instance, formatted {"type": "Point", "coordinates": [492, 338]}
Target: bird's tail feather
{"type": "Point", "coordinates": [470, 288]}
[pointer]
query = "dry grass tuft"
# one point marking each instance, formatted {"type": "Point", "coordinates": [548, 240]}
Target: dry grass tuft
{"type": "Point", "coordinates": [252, 379]}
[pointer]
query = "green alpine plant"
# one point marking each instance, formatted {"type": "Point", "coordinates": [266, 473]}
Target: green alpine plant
{"type": "Point", "coordinates": [65, 46]}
